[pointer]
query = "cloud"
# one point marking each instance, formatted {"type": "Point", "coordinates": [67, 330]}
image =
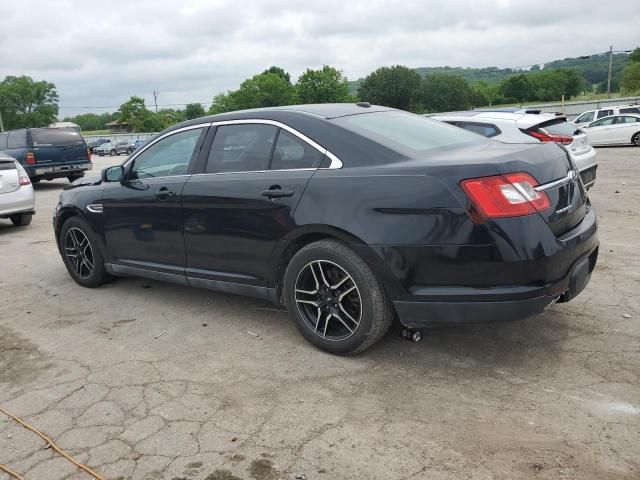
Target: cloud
{"type": "Point", "coordinates": [99, 54]}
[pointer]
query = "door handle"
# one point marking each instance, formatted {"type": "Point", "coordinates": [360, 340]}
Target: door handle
{"type": "Point", "coordinates": [277, 193]}
{"type": "Point", "coordinates": [164, 193]}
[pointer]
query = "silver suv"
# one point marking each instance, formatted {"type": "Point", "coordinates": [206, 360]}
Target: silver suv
{"type": "Point", "coordinates": [589, 116]}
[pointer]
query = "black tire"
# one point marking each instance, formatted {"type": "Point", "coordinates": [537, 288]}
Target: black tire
{"type": "Point", "coordinates": [21, 219]}
{"type": "Point", "coordinates": [98, 274]}
{"type": "Point", "coordinates": [635, 140]}
{"type": "Point", "coordinates": [73, 178]}
{"type": "Point", "coordinates": [35, 179]}
{"type": "Point", "coordinates": [113, 153]}
{"type": "Point", "coordinates": [376, 311]}
{"type": "Point", "coordinates": [129, 151]}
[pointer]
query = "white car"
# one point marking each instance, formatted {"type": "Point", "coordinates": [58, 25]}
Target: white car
{"type": "Point", "coordinates": [589, 116]}
{"type": "Point", "coordinates": [530, 128]}
{"type": "Point", "coordinates": [17, 200]}
{"type": "Point", "coordinates": [614, 130]}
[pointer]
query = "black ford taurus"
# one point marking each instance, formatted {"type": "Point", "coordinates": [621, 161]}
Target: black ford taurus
{"type": "Point", "coordinates": [349, 215]}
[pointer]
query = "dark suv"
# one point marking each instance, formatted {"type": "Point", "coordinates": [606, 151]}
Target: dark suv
{"type": "Point", "coordinates": [48, 153]}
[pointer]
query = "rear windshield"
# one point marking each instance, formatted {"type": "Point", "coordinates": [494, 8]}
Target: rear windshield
{"type": "Point", "coordinates": [407, 133]}
{"type": "Point", "coordinates": [46, 137]}
{"type": "Point", "coordinates": [560, 128]}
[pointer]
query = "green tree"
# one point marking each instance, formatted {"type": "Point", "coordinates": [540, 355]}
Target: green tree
{"type": "Point", "coordinates": [630, 82]}
{"type": "Point", "coordinates": [280, 72]}
{"type": "Point", "coordinates": [396, 86]}
{"type": "Point", "coordinates": [193, 110]}
{"type": "Point", "coordinates": [517, 88]}
{"type": "Point", "coordinates": [443, 92]}
{"type": "Point", "coordinates": [635, 55]}
{"type": "Point", "coordinates": [264, 90]}
{"type": "Point", "coordinates": [25, 103]}
{"type": "Point", "coordinates": [223, 102]}
{"type": "Point", "coordinates": [135, 113]}
{"type": "Point", "coordinates": [485, 93]}
{"type": "Point", "coordinates": [327, 85]}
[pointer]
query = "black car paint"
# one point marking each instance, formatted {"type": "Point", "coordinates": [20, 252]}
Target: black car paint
{"type": "Point", "coordinates": [407, 217]}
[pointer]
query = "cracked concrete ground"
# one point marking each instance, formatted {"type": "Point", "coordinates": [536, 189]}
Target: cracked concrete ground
{"type": "Point", "coordinates": [555, 396]}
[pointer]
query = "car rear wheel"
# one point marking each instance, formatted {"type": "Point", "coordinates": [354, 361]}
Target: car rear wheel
{"type": "Point", "coordinates": [334, 298]}
{"type": "Point", "coordinates": [21, 219]}
{"type": "Point", "coordinates": [81, 253]}
{"type": "Point", "coordinates": [113, 153]}
{"type": "Point", "coordinates": [636, 139]}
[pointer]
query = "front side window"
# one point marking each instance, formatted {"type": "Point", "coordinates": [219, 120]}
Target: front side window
{"type": "Point", "coordinates": [241, 148]}
{"type": "Point", "coordinates": [585, 117]}
{"type": "Point", "coordinates": [167, 157]}
{"type": "Point", "coordinates": [603, 122]}
{"type": "Point", "coordinates": [291, 152]}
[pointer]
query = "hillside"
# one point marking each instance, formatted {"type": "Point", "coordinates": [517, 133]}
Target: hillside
{"type": "Point", "coordinates": [594, 69]}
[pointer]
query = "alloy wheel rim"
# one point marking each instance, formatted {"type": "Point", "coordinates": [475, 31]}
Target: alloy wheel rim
{"type": "Point", "coordinates": [77, 249]}
{"type": "Point", "coordinates": [328, 300]}
{"type": "Point", "coordinates": [636, 140]}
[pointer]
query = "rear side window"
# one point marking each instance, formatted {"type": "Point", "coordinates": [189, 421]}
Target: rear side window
{"type": "Point", "coordinates": [604, 113]}
{"type": "Point", "coordinates": [56, 137]}
{"type": "Point", "coordinates": [17, 139]}
{"type": "Point", "coordinates": [241, 148]}
{"type": "Point", "coordinates": [485, 129]}
{"type": "Point", "coordinates": [406, 133]}
{"type": "Point", "coordinates": [630, 110]}
{"type": "Point", "coordinates": [291, 152]}
{"type": "Point", "coordinates": [585, 117]}
{"type": "Point", "coordinates": [3, 140]}
{"type": "Point", "coordinates": [628, 119]}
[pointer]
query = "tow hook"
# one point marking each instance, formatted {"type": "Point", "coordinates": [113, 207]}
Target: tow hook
{"type": "Point", "coordinates": [412, 335]}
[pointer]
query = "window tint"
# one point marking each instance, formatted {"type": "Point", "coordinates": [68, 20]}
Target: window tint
{"type": "Point", "coordinates": [17, 139]}
{"type": "Point", "coordinates": [630, 110]}
{"type": "Point", "coordinates": [3, 140]}
{"type": "Point", "coordinates": [291, 152]}
{"type": "Point", "coordinates": [406, 133]}
{"type": "Point", "coordinates": [585, 117]}
{"type": "Point", "coordinates": [241, 148]}
{"type": "Point", "coordinates": [485, 129]}
{"type": "Point", "coordinates": [604, 121]}
{"type": "Point", "coordinates": [55, 136]}
{"type": "Point", "coordinates": [604, 113]}
{"type": "Point", "coordinates": [169, 156]}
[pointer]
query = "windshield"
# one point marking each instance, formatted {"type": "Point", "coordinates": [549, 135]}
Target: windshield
{"type": "Point", "coordinates": [407, 133]}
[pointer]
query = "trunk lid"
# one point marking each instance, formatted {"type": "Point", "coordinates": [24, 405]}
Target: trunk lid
{"type": "Point", "coordinates": [57, 145]}
{"type": "Point", "coordinates": [9, 179]}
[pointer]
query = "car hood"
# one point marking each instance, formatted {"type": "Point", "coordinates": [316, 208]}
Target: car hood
{"type": "Point", "coordinates": [85, 181]}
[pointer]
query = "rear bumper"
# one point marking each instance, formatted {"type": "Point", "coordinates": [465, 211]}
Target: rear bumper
{"type": "Point", "coordinates": [587, 165]}
{"type": "Point", "coordinates": [19, 201]}
{"type": "Point", "coordinates": [496, 306]}
{"type": "Point", "coordinates": [56, 171]}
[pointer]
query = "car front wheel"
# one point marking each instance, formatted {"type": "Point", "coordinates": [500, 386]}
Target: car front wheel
{"type": "Point", "coordinates": [113, 153]}
{"type": "Point", "coordinates": [81, 253]}
{"type": "Point", "coordinates": [334, 298]}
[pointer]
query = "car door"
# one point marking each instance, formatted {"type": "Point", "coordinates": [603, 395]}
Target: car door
{"type": "Point", "coordinates": [243, 202]}
{"type": "Point", "coordinates": [626, 126]}
{"type": "Point", "coordinates": [142, 213]}
{"type": "Point", "coordinates": [599, 132]}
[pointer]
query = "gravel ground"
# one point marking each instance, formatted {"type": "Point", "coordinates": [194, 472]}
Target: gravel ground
{"type": "Point", "coordinates": [554, 396]}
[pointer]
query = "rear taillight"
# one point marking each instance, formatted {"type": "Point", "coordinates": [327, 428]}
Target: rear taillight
{"type": "Point", "coordinates": [88, 154]}
{"type": "Point", "coordinates": [510, 195]}
{"type": "Point", "coordinates": [22, 175]}
{"type": "Point", "coordinates": [30, 158]}
{"type": "Point", "coordinates": [545, 137]}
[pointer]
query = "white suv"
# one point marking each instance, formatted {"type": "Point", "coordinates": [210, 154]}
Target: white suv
{"type": "Point", "coordinates": [509, 127]}
{"type": "Point", "coordinates": [589, 116]}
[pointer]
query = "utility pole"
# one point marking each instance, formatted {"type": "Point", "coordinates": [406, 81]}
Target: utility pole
{"type": "Point", "coordinates": [155, 94]}
{"type": "Point", "coordinates": [609, 78]}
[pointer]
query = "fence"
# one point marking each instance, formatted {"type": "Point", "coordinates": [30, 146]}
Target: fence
{"type": "Point", "coordinates": [117, 137]}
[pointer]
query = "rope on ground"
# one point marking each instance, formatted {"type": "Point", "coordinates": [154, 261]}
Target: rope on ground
{"type": "Point", "coordinates": [51, 444]}
{"type": "Point", "coordinates": [11, 473]}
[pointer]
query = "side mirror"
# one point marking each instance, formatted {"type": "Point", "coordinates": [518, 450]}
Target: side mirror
{"type": "Point", "coordinates": [113, 174]}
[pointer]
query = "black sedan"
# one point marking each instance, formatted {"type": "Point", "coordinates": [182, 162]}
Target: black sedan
{"type": "Point", "coordinates": [349, 215]}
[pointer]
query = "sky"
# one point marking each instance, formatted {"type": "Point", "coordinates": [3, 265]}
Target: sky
{"type": "Point", "coordinates": [99, 54]}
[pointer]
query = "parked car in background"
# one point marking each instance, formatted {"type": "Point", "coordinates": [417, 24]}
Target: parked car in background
{"type": "Point", "coordinates": [96, 143]}
{"type": "Point", "coordinates": [17, 200]}
{"type": "Point", "coordinates": [134, 144]}
{"type": "Point", "coordinates": [349, 214]}
{"type": "Point", "coordinates": [614, 130]}
{"type": "Point", "coordinates": [113, 148]}
{"type": "Point", "coordinates": [48, 153]}
{"type": "Point", "coordinates": [589, 116]}
{"type": "Point", "coordinates": [530, 128]}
